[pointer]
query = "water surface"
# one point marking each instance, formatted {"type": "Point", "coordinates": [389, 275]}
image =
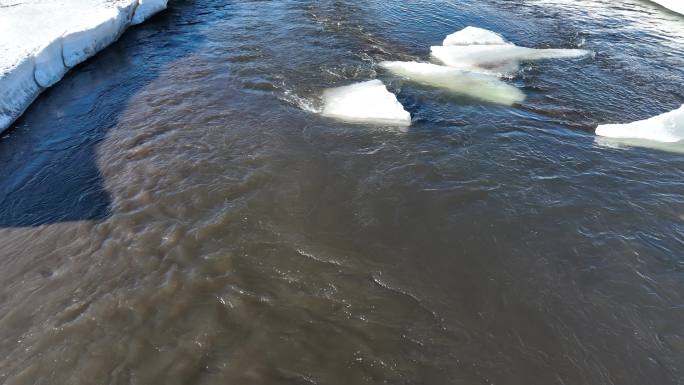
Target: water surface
{"type": "Point", "coordinates": [172, 213]}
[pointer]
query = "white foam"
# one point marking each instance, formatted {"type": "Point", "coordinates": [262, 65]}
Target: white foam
{"type": "Point", "coordinates": [479, 50]}
{"type": "Point", "coordinates": [665, 128]}
{"type": "Point", "coordinates": [672, 5]}
{"type": "Point", "coordinates": [478, 86]}
{"type": "Point", "coordinates": [474, 36]}
{"type": "Point", "coordinates": [367, 102]}
{"type": "Point", "coordinates": [41, 39]}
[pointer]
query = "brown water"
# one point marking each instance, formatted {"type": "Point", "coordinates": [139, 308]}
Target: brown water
{"type": "Point", "coordinates": [170, 215]}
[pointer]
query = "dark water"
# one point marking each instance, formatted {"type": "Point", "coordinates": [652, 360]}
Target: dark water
{"type": "Point", "coordinates": [170, 215]}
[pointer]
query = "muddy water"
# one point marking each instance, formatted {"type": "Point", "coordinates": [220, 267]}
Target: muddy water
{"type": "Point", "coordinates": [172, 214]}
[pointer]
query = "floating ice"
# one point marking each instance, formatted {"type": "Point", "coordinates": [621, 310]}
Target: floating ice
{"type": "Point", "coordinates": [479, 86]}
{"type": "Point", "coordinates": [367, 102]}
{"type": "Point", "coordinates": [497, 59]}
{"type": "Point", "coordinates": [665, 128]}
{"type": "Point", "coordinates": [41, 39]}
{"type": "Point", "coordinates": [474, 36]}
{"type": "Point", "coordinates": [672, 5]}
{"type": "Point", "coordinates": [480, 50]}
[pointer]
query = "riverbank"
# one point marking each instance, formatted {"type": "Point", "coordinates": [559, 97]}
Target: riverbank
{"type": "Point", "coordinates": [41, 40]}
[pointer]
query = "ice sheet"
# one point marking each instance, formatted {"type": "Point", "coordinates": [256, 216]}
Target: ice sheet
{"type": "Point", "coordinates": [41, 39]}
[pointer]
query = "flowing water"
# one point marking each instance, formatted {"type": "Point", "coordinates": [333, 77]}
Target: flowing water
{"type": "Point", "coordinates": [172, 212]}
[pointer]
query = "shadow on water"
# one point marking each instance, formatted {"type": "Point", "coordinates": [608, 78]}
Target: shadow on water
{"type": "Point", "coordinates": [48, 164]}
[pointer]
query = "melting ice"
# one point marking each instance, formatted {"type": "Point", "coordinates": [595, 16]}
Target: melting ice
{"type": "Point", "coordinates": [665, 128]}
{"type": "Point", "coordinates": [479, 86]}
{"type": "Point", "coordinates": [480, 50]}
{"type": "Point", "coordinates": [367, 102]}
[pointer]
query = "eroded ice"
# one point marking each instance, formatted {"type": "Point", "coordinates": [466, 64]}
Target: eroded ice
{"type": "Point", "coordinates": [479, 86]}
{"type": "Point", "coordinates": [367, 102]}
{"type": "Point", "coordinates": [480, 50]}
{"type": "Point", "coordinates": [665, 128]}
{"type": "Point", "coordinates": [41, 39]}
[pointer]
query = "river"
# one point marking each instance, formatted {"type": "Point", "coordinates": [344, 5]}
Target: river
{"type": "Point", "coordinates": [173, 213]}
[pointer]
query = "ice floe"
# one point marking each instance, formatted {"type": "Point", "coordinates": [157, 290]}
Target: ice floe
{"type": "Point", "coordinates": [41, 39]}
{"type": "Point", "coordinates": [367, 102]}
{"type": "Point", "coordinates": [665, 128]}
{"type": "Point", "coordinates": [479, 86]}
{"type": "Point", "coordinates": [480, 50]}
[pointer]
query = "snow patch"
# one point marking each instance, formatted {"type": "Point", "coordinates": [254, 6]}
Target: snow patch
{"type": "Point", "coordinates": [483, 87]}
{"type": "Point", "coordinates": [665, 128]}
{"type": "Point", "coordinates": [367, 102]}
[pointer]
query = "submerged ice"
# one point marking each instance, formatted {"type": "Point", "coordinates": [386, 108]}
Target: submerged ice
{"type": "Point", "coordinates": [367, 102]}
{"type": "Point", "coordinates": [480, 50]}
{"type": "Point", "coordinates": [665, 128]}
{"type": "Point", "coordinates": [475, 85]}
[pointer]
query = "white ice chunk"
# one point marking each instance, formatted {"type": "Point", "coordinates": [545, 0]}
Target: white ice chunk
{"type": "Point", "coordinates": [479, 50]}
{"type": "Point", "coordinates": [665, 128]}
{"type": "Point", "coordinates": [497, 59]}
{"type": "Point", "coordinates": [147, 8]}
{"type": "Point", "coordinates": [474, 36]}
{"type": "Point", "coordinates": [367, 102]}
{"type": "Point", "coordinates": [478, 86]}
{"type": "Point", "coordinates": [673, 5]}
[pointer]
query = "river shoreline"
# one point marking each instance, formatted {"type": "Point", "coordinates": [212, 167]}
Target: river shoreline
{"type": "Point", "coordinates": [41, 41]}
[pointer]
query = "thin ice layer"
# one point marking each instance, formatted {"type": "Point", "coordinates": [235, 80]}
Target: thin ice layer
{"type": "Point", "coordinates": [474, 85]}
{"type": "Point", "coordinates": [665, 128]}
{"type": "Point", "coordinates": [367, 102]}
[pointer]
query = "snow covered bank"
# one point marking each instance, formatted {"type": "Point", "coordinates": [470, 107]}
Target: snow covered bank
{"type": "Point", "coordinates": [40, 40]}
{"type": "Point", "coordinates": [479, 86]}
{"type": "Point", "coordinates": [479, 50]}
{"type": "Point", "coordinates": [367, 102]}
{"type": "Point", "coordinates": [665, 128]}
{"type": "Point", "coordinates": [673, 5]}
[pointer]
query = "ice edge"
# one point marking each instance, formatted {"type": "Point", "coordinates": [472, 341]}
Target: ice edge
{"type": "Point", "coordinates": [49, 64]}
